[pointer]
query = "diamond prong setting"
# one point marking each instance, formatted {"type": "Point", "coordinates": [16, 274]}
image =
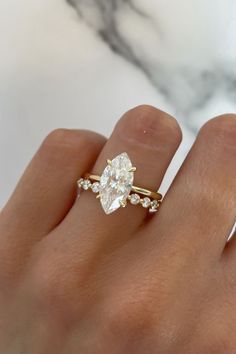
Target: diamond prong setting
{"type": "Point", "coordinates": [123, 203]}
{"type": "Point", "coordinates": [115, 187]}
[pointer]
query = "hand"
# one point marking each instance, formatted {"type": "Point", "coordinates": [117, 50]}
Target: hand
{"type": "Point", "coordinates": [75, 280]}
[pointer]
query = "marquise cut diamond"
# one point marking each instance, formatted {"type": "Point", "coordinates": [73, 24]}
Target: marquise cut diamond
{"type": "Point", "coordinates": [116, 183]}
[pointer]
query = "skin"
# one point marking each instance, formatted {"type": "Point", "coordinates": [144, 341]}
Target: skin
{"type": "Point", "coordinates": [74, 280]}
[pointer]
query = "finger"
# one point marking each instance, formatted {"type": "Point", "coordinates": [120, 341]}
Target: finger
{"type": "Point", "coordinates": [201, 202]}
{"type": "Point", "coordinates": [229, 255]}
{"type": "Point", "coordinates": [150, 137]}
{"type": "Point", "coordinates": [47, 189]}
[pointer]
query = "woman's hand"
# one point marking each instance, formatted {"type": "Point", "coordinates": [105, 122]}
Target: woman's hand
{"type": "Point", "coordinates": [75, 280]}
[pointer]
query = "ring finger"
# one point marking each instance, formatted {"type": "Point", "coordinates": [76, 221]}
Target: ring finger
{"type": "Point", "coordinates": [150, 137]}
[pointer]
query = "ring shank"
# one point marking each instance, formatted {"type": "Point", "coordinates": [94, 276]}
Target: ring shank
{"type": "Point", "coordinates": [139, 190]}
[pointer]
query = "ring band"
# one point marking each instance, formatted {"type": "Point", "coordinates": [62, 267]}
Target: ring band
{"type": "Point", "coordinates": [115, 186]}
{"type": "Point", "coordinates": [139, 190]}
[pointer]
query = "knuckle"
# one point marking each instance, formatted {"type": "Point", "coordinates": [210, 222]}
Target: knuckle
{"type": "Point", "coordinates": [220, 343]}
{"type": "Point", "coordinates": [49, 288]}
{"type": "Point", "coordinates": [64, 139]}
{"type": "Point", "coordinates": [55, 284]}
{"type": "Point", "coordinates": [127, 319]}
{"type": "Point", "coordinates": [57, 134]}
{"type": "Point", "coordinates": [68, 143]}
{"type": "Point", "coordinates": [140, 317]}
{"type": "Point", "coordinates": [219, 338]}
{"type": "Point", "coordinates": [147, 124]}
{"type": "Point", "coordinates": [221, 129]}
{"type": "Point", "coordinates": [130, 315]}
{"type": "Point", "coordinates": [46, 283]}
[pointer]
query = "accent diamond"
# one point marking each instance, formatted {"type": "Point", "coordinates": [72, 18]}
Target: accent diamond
{"type": "Point", "coordinates": [86, 184]}
{"type": "Point", "coordinates": [134, 199]}
{"type": "Point", "coordinates": [116, 183]}
{"type": "Point", "coordinates": [146, 202]}
{"type": "Point", "coordinates": [80, 182]}
{"type": "Point", "coordinates": [95, 187]}
{"type": "Point", "coordinates": [154, 206]}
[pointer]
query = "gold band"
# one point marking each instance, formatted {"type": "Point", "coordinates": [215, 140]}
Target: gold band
{"type": "Point", "coordinates": [139, 190]}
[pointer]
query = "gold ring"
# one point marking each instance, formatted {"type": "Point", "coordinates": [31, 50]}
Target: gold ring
{"type": "Point", "coordinates": [115, 186]}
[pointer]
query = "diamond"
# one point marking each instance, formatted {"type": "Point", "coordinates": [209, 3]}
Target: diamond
{"type": "Point", "coordinates": [95, 187]}
{"type": "Point", "coordinates": [134, 199]}
{"type": "Point", "coordinates": [152, 210]}
{"type": "Point", "coordinates": [80, 182]}
{"type": "Point", "coordinates": [116, 183]}
{"type": "Point", "coordinates": [146, 202]}
{"type": "Point", "coordinates": [86, 184]}
{"type": "Point", "coordinates": [154, 206]}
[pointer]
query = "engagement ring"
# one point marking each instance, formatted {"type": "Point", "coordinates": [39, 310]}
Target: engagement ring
{"type": "Point", "coordinates": [115, 187]}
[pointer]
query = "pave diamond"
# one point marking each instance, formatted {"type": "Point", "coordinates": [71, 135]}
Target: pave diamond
{"type": "Point", "coordinates": [134, 199]}
{"type": "Point", "coordinates": [80, 182]}
{"type": "Point", "coordinates": [154, 206]}
{"type": "Point", "coordinates": [86, 184]}
{"type": "Point", "coordinates": [95, 187]}
{"type": "Point", "coordinates": [146, 202]}
{"type": "Point", "coordinates": [116, 183]}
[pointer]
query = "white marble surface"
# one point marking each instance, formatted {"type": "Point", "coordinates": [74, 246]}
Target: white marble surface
{"type": "Point", "coordinates": [83, 64]}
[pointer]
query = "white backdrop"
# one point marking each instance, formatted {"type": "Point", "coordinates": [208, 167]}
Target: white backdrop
{"type": "Point", "coordinates": [56, 71]}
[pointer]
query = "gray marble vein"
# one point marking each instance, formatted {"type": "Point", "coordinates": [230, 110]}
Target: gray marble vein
{"type": "Point", "coordinates": [187, 86]}
{"type": "Point", "coordinates": [57, 59]}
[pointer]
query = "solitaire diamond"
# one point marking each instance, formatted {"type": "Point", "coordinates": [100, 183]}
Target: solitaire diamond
{"type": "Point", "coordinates": [116, 183]}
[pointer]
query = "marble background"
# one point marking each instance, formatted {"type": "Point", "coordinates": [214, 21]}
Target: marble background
{"type": "Point", "coordinates": [82, 63]}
